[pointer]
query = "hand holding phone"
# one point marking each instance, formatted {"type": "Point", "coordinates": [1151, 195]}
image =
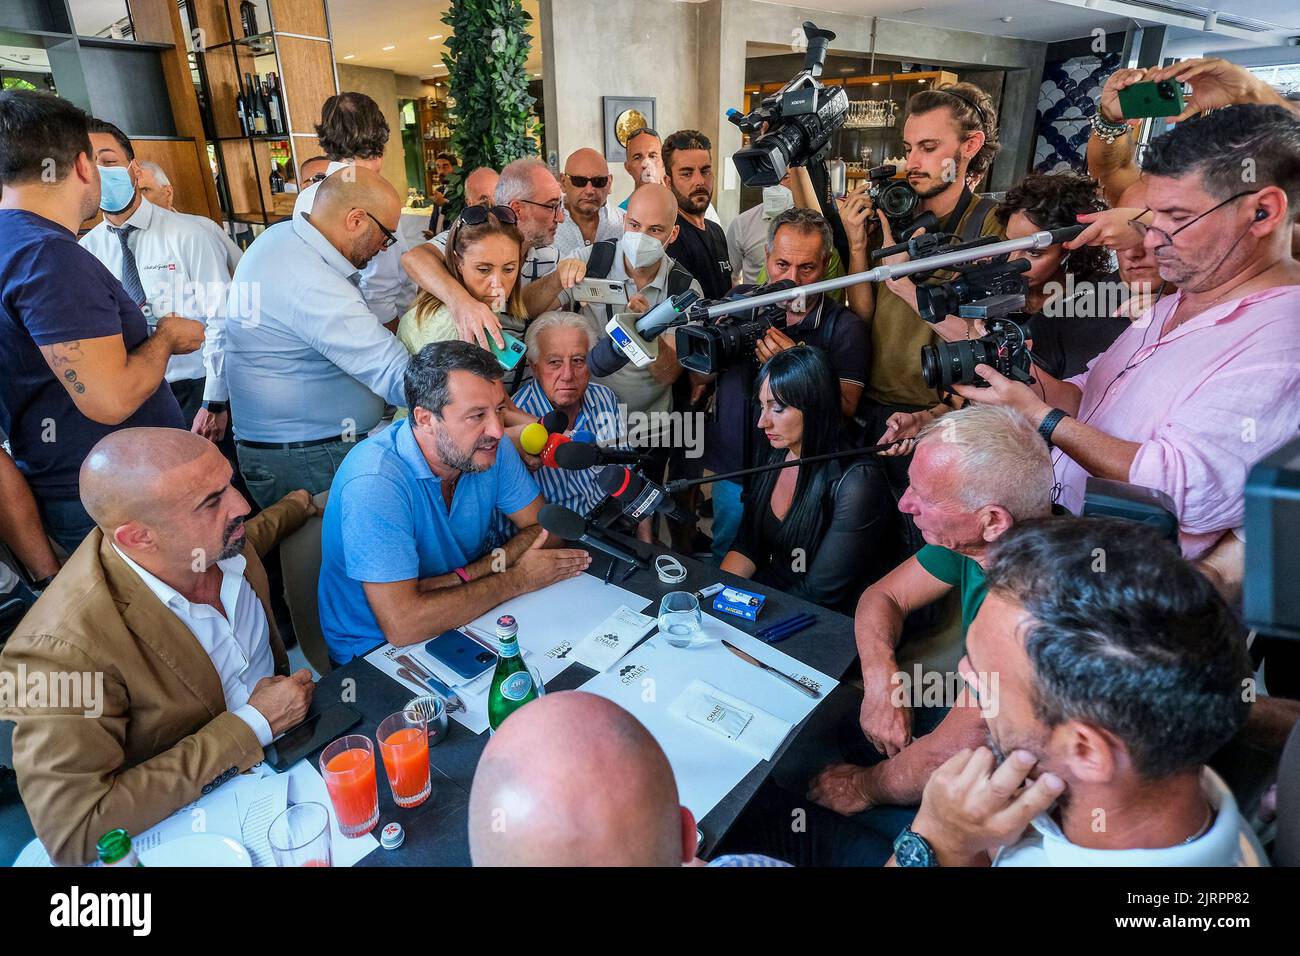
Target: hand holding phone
{"type": "Point", "coordinates": [1148, 99]}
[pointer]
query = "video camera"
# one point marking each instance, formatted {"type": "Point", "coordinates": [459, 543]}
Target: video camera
{"type": "Point", "coordinates": [800, 118]}
{"type": "Point", "coordinates": [991, 292]}
{"type": "Point", "coordinates": [712, 346]}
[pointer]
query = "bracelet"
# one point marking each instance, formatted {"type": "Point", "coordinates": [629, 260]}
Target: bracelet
{"type": "Point", "coordinates": [1107, 130]}
{"type": "Point", "coordinates": [1049, 423]}
{"type": "Point", "coordinates": [215, 407]}
{"type": "Point", "coordinates": [669, 569]}
{"type": "Point", "coordinates": [462, 574]}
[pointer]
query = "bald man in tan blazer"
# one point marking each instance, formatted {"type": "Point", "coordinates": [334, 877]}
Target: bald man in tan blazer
{"type": "Point", "coordinates": [157, 703]}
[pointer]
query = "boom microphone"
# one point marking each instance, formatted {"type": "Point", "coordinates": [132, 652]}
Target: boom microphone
{"type": "Point", "coordinates": [571, 526]}
{"type": "Point", "coordinates": [578, 455]}
{"type": "Point", "coordinates": [637, 496]}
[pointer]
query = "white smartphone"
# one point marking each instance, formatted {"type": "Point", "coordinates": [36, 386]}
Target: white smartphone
{"type": "Point", "coordinates": [608, 291]}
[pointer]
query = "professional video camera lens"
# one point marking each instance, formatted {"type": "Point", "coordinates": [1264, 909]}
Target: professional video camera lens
{"type": "Point", "coordinates": [946, 364]}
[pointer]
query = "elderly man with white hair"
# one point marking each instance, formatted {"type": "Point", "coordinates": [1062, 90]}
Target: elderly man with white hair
{"type": "Point", "coordinates": [975, 473]}
{"type": "Point", "coordinates": [558, 343]}
{"type": "Point", "coordinates": [156, 186]}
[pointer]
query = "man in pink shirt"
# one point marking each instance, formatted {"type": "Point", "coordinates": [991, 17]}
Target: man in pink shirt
{"type": "Point", "coordinates": [1207, 382]}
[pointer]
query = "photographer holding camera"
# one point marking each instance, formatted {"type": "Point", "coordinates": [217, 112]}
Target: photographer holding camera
{"type": "Point", "coordinates": [1208, 382]}
{"type": "Point", "coordinates": [798, 249]}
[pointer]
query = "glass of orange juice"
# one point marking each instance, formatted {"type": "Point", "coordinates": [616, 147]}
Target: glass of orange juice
{"type": "Point", "coordinates": [404, 742]}
{"type": "Point", "coordinates": [300, 836]}
{"type": "Point", "coordinates": [348, 766]}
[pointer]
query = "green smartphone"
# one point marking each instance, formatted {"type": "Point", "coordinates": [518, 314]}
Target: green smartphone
{"type": "Point", "coordinates": [511, 355]}
{"type": "Point", "coordinates": [1142, 100]}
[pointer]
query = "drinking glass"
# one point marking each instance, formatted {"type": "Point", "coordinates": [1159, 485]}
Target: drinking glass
{"type": "Point", "coordinates": [348, 766]}
{"type": "Point", "coordinates": [404, 743]}
{"type": "Point", "coordinates": [680, 619]}
{"type": "Point", "coordinates": [300, 836]}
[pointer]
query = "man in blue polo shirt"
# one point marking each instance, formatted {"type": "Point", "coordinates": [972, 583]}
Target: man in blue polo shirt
{"type": "Point", "coordinates": [404, 542]}
{"type": "Point", "coordinates": [77, 360]}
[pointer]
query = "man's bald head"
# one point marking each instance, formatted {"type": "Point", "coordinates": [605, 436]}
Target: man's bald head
{"type": "Point", "coordinates": [573, 779]}
{"type": "Point", "coordinates": [343, 209]}
{"type": "Point", "coordinates": [480, 185]}
{"type": "Point", "coordinates": [652, 210]}
{"type": "Point", "coordinates": [586, 164]}
{"type": "Point", "coordinates": [120, 477]}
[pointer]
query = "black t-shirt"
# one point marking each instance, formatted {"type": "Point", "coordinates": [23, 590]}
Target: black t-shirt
{"type": "Point", "coordinates": [1074, 331]}
{"type": "Point", "coordinates": [828, 326]}
{"type": "Point", "coordinates": [703, 252]}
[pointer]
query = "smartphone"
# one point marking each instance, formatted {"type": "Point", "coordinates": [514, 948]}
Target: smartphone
{"type": "Point", "coordinates": [314, 732]}
{"type": "Point", "coordinates": [509, 356]}
{"type": "Point", "coordinates": [1142, 100]}
{"type": "Point", "coordinates": [465, 656]}
{"type": "Point", "coordinates": [608, 291]}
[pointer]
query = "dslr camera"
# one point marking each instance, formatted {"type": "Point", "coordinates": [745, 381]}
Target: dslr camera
{"type": "Point", "coordinates": [894, 197]}
{"type": "Point", "coordinates": [992, 292]}
{"type": "Point", "coordinates": [800, 118]}
{"type": "Point", "coordinates": [712, 347]}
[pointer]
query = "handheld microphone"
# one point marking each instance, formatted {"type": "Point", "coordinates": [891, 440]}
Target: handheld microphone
{"type": "Point", "coordinates": [571, 526]}
{"type": "Point", "coordinates": [577, 456]}
{"type": "Point", "coordinates": [637, 496]}
{"type": "Point", "coordinates": [636, 337]}
{"type": "Point", "coordinates": [542, 438]}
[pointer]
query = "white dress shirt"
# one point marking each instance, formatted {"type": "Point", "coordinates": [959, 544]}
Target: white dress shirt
{"type": "Point", "coordinates": [182, 269]}
{"type": "Point", "coordinates": [747, 243]}
{"type": "Point", "coordinates": [238, 644]}
{"type": "Point", "coordinates": [569, 238]}
{"type": "Point", "coordinates": [305, 357]}
{"type": "Point", "coordinates": [387, 289]}
{"type": "Point", "coordinates": [1228, 842]}
{"type": "Point", "coordinates": [233, 252]}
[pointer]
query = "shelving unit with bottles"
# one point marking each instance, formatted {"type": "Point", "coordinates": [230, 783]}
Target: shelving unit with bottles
{"type": "Point", "coordinates": [435, 132]}
{"type": "Point", "coordinates": [272, 61]}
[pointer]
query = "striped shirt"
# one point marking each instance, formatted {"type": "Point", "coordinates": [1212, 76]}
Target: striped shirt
{"type": "Point", "coordinates": [601, 415]}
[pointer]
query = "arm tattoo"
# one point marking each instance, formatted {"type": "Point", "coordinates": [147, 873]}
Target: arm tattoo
{"type": "Point", "coordinates": [65, 353]}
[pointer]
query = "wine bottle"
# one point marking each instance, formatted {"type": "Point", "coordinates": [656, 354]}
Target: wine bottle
{"type": "Point", "coordinates": [274, 113]}
{"type": "Point", "coordinates": [258, 113]}
{"type": "Point", "coordinates": [248, 14]}
{"type": "Point", "coordinates": [241, 108]}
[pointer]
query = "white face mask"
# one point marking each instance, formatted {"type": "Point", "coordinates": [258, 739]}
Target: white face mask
{"type": "Point", "coordinates": [776, 200]}
{"type": "Point", "coordinates": [641, 250]}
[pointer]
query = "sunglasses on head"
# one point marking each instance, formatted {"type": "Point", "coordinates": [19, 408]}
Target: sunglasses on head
{"type": "Point", "coordinates": [644, 129]}
{"type": "Point", "coordinates": [477, 215]}
{"type": "Point", "coordinates": [600, 182]}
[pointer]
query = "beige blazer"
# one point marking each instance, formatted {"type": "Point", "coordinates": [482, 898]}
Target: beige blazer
{"type": "Point", "coordinates": [164, 736]}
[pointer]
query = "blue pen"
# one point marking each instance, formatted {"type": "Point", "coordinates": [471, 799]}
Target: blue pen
{"type": "Point", "coordinates": [784, 622]}
{"type": "Point", "coordinates": [788, 630]}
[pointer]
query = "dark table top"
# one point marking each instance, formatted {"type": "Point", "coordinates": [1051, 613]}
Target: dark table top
{"type": "Point", "coordinates": [437, 831]}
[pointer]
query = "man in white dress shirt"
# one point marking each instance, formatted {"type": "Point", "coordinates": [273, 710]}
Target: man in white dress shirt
{"type": "Point", "coordinates": [590, 218]}
{"type": "Point", "coordinates": [308, 364]}
{"type": "Point", "coordinates": [156, 186]}
{"type": "Point", "coordinates": [353, 132]}
{"type": "Point", "coordinates": [165, 608]}
{"type": "Point", "coordinates": [167, 263]}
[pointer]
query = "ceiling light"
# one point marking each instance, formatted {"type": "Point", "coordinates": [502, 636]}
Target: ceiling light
{"type": "Point", "coordinates": [391, 46]}
{"type": "Point", "coordinates": [349, 56]}
{"type": "Point", "coordinates": [436, 36]}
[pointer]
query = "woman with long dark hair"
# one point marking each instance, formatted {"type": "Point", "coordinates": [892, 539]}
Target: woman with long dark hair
{"type": "Point", "coordinates": [821, 531]}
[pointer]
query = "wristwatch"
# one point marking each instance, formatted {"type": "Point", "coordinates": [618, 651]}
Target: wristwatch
{"type": "Point", "coordinates": [1049, 423]}
{"type": "Point", "coordinates": [912, 849]}
{"type": "Point", "coordinates": [216, 408]}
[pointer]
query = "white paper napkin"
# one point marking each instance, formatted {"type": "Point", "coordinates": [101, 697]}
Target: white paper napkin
{"type": "Point", "coordinates": [760, 737]}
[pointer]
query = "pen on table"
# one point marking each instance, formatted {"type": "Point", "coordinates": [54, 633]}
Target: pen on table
{"type": "Point", "coordinates": [766, 632]}
{"type": "Point", "coordinates": [788, 631]}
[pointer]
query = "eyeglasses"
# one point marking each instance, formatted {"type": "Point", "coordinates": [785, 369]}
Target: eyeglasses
{"type": "Point", "coordinates": [389, 238]}
{"type": "Point", "coordinates": [556, 208]}
{"type": "Point", "coordinates": [1168, 237]}
{"type": "Point", "coordinates": [600, 182]}
{"type": "Point", "coordinates": [477, 215]}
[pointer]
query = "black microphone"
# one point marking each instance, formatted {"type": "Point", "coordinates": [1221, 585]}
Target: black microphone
{"type": "Point", "coordinates": [571, 526]}
{"type": "Point", "coordinates": [605, 358]}
{"type": "Point", "coordinates": [555, 421]}
{"type": "Point", "coordinates": [638, 496]}
{"type": "Point", "coordinates": [579, 455]}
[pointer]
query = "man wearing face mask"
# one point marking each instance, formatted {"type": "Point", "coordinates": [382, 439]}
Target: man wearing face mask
{"type": "Point", "coordinates": [747, 234]}
{"type": "Point", "coordinates": [640, 262]}
{"type": "Point", "coordinates": [308, 364]}
{"type": "Point", "coordinates": [167, 263]}
{"type": "Point", "coordinates": [586, 186]}
{"type": "Point", "coordinates": [799, 246]}
{"type": "Point", "coordinates": [78, 361]}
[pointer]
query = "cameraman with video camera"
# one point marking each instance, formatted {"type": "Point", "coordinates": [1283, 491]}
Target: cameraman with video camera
{"type": "Point", "coordinates": [798, 249]}
{"type": "Point", "coordinates": [1208, 382]}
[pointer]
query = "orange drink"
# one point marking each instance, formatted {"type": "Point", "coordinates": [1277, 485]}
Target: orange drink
{"type": "Point", "coordinates": [348, 766]}
{"type": "Point", "coordinates": [404, 742]}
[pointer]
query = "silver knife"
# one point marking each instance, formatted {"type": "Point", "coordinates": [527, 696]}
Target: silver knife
{"type": "Point", "coordinates": [816, 695]}
{"type": "Point", "coordinates": [420, 675]}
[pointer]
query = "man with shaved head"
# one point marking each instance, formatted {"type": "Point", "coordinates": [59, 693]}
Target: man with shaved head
{"type": "Point", "coordinates": [591, 218]}
{"type": "Point", "coordinates": [308, 363]}
{"type": "Point", "coordinates": [164, 673]}
{"type": "Point", "coordinates": [544, 793]}
{"type": "Point", "coordinates": [480, 185]}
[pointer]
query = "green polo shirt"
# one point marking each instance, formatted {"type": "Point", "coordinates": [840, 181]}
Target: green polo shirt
{"type": "Point", "coordinates": [961, 572]}
{"type": "Point", "coordinates": [898, 333]}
